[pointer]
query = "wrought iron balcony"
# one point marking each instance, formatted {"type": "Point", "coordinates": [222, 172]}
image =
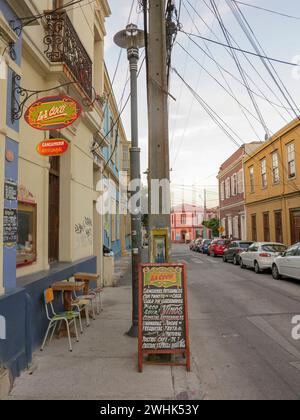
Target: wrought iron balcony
{"type": "Point", "coordinates": [64, 46]}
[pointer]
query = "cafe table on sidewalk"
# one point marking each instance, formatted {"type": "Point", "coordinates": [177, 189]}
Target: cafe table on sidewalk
{"type": "Point", "coordinates": [67, 288]}
{"type": "Point", "coordinates": [86, 278]}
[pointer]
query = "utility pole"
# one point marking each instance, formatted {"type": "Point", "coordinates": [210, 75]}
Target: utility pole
{"type": "Point", "coordinates": [132, 39]}
{"type": "Point", "coordinates": [159, 161]}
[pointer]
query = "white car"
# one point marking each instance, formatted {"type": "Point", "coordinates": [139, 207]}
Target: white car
{"type": "Point", "coordinates": [288, 264]}
{"type": "Point", "coordinates": [261, 255]}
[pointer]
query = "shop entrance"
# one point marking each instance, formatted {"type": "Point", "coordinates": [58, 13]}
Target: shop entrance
{"type": "Point", "coordinates": [295, 226]}
{"type": "Point", "coordinates": [54, 190]}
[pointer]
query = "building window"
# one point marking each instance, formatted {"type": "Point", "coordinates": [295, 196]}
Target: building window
{"type": "Point", "coordinates": [236, 227]}
{"type": "Point", "coordinates": [26, 244]}
{"type": "Point", "coordinates": [275, 167]}
{"type": "Point", "coordinates": [183, 219]}
{"type": "Point", "coordinates": [291, 160]}
{"type": "Point", "coordinates": [227, 187]}
{"type": "Point", "coordinates": [266, 219]}
{"type": "Point", "coordinates": [234, 185]}
{"type": "Point", "coordinates": [254, 228]}
{"type": "Point", "coordinates": [252, 180]}
{"type": "Point", "coordinates": [240, 182]}
{"type": "Point", "coordinates": [278, 227]}
{"type": "Point", "coordinates": [263, 166]}
{"type": "Point", "coordinates": [222, 191]}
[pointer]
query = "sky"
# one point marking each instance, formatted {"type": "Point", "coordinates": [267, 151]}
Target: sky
{"type": "Point", "coordinates": [198, 146]}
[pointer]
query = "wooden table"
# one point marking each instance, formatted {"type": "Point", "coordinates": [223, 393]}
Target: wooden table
{"type": "Point", "coordinates": [67, 287]}
{"type": "Point", "coordinates": [86, 278]}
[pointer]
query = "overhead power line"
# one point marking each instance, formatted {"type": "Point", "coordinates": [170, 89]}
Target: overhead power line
{"type": "Point", "coordinates": [240, 49]}
{"type": "Point", "coordinates": [250, 78]}
{"type": "Point", "coordinates": [267, 10]}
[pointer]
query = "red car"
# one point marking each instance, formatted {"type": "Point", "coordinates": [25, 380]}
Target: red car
{"type": "Point", "coordinates": [218, 247]}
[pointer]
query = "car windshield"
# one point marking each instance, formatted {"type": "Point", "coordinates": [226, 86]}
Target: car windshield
{"type": "Point", "coordinates": [222, 242]}
{"type": "Point", "coordinates": [206, 242]}
{"type": "Point", "coordinates": [274, 248]}
{"type": "Point", "coordinates": [245, 245]}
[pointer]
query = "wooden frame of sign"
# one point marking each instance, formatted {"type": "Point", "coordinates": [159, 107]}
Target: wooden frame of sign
{"type": "Point", "coordinates": [163, 314]}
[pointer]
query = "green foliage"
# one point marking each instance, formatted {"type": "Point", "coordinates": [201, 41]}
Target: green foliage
{"type": "Point", "coordinates": [213, 225]}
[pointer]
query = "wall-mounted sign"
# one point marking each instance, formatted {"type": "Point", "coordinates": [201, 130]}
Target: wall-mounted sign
{"type": "Point", "coordinates": [9, 155]}
{"type": "Point", "coordinates": [163, 314]}
{"type": "Point", "coordinates": [53, 147]}
{"type": "Point", "coordinates": [10, 227]}
{"type": "Point", "coordinates": [53, 113]}
{"type": "Point", "coordinates": [10, 191]}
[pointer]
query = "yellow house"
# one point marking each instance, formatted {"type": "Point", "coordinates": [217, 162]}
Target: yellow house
{"type": "Point", "coordinates": [272, 188]}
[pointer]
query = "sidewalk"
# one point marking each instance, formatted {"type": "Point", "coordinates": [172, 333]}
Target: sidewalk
{"type": "Point", "coordinates": [103, 364]}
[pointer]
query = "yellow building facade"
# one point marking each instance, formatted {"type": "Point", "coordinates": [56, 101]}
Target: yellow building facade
{"type": "Point", "coordinates": [272, 188]}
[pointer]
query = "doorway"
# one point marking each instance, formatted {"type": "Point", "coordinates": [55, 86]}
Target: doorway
{"type": "Point", "coordinates": [295, 226]}
{"type": "Point", "coordinates": [54, 191]}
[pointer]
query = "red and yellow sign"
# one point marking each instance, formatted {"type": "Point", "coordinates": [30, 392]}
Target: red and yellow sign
{"type": "Point", "coordinates": [53, 147]}
{"type": "Point", "coordinates": [163, 276]}
{"type": "Point", "coordinates": [53, 113]}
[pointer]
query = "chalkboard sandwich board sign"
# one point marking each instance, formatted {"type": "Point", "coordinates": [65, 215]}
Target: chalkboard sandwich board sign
{"type": "Point", "coordinates": [163, 312]}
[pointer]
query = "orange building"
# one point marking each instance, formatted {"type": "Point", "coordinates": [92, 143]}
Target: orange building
{"type": "Point", "coordinates": [272, 188]}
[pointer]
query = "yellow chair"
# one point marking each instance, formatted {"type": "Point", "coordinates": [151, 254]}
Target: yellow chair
{"type": "Point", "coordinates": [55, 319]}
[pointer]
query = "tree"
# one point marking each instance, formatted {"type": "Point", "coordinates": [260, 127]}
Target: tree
{"type": "Point", "coordinates": [213, 225]}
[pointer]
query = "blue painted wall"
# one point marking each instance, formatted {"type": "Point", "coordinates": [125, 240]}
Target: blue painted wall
{"type": "Point", "coordinates": [10, 253]}
{"type": "Point", "coordinates": [24, 311]}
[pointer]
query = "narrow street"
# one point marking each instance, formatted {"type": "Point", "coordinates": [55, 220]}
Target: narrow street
{"type": "Point", "coordinates": [241, 330]}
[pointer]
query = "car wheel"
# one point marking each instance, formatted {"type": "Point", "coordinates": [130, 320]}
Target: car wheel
{"type": "Point", "coordinates": [224, 259]}
{"type": "Point", "coordinates": [235, 260]}
{"type": "Point", "coordinates": [275, 272]}
{"type": "Point", "coordinates": [256, 268]}
{"type": "Point", "coordinates": [243, 266]}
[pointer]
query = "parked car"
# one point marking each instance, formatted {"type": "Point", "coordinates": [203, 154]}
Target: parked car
{"type": "Point", "coordinates": [204, 245]}
{"type": "Point", "coordinates": [217, 247]}
{"type": "Point", "coordinates": [232, 253]}
{"type": "Point", "coordinates": [261, 255]}
{"type": "Point", "coordinates": [194, 244]}
{"type": "Point", "coordinates": [287, 264]}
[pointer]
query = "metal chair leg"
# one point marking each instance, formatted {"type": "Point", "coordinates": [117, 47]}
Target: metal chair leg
{"type": "Point", "coordinates": [93, 310]}
{"type": "Point", "coordinates": [46, 335]}
{"type": "Point", "coordinates": [69, 335]}
{"type": "Point", "coordinates": [87, 316]}
{"type": "Point", "coordinates": [53, 331]}
{"type": "Point", "coordinates": [76, 331]}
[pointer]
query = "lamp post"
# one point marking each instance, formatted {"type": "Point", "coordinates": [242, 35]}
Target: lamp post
{"type": "Point", "coordinates": [132, 39]}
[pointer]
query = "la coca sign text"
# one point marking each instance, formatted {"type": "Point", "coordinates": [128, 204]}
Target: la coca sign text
{"type": "Point", "coordinates": [53, 113]}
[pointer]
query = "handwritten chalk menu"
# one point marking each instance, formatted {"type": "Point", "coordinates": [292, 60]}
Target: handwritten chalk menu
{"type": "Point", "coordinates": [163, 320]}
{"type": "Point", "coordinates": [10, 191]}
{"type": "Point", "coordinates": [10, 227]}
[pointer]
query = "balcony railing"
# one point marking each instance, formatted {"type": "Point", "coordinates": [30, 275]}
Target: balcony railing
{"type": "Point", "coordinates": [64, 46]}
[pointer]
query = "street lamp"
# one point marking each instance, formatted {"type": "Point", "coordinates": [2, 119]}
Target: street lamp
{"type": "Point", "coordinates": [132, 39]}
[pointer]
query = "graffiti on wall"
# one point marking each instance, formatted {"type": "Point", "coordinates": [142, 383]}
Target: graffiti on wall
{"type": "Point", "coordinates": [84, 233]}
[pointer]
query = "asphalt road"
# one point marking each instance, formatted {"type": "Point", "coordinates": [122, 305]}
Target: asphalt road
{"type": "Point", "coordinates": [241, 330]}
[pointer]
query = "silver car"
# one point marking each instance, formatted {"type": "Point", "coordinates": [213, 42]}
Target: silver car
{"type": "Point", "coordinates": [261, 255]}
{"type": "Point", "coordinates": [288, 264]}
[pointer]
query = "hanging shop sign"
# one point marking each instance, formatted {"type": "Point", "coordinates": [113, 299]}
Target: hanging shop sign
{"type": "Point", "coordinates": [53, 147]}
{"type": "Point", "coordinates": [163, 313]}
{"type": "Point", "coordinates": [53, 113]}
